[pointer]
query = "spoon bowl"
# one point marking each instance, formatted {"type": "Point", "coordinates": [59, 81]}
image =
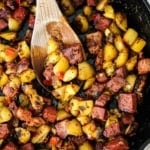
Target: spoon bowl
{"type": "Point", "coordinates": [49, 22]}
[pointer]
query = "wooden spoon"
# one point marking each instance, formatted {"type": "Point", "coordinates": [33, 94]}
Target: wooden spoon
{"type": "Point", "coordinates": [49, 22]}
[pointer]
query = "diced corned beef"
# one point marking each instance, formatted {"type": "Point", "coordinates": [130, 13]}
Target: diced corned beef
{"type": "Point", "coordinates": [20, 14]}
{"type": "Point", "coordinates": [99, 145]}
{"type": "Point", "coordinates": [49, 114]}
{"type": "Point", "coordinates": [28, 146]}
{"type": "Point", "coordinates": [101, 77]}
{"type": "Point", "coordinates": [23, 65]}
{"type": "Point", "coordinates": [112, 130]}
{"type": "Point", "coordinates": [115, 83]}
{"type": "Point", "coordinates": [99, 113]}
{"type": "Point", "coordinates": [10, 4]}
{"type": "Point", "coordinates": [99, 60]}
{"type": "Point", "coordinates": [48, 72]}
{"type": "Point", "coordinates": [10, 146]}
{"type": "Point", "coordinates": [73, 53]}
{"type": "Point", "coordinates": [95, 90]}
{"type": "Point", "coordinates": [144, 66]}
{"type": "Point", "coordinates": [13, 107]}
{"type": "Point", "coordinates": [9, 90]}
{"type": "Point", "coordinates": [121, 72]}
{"type": "Point", "coordinates": [91, 2]}
{"type": "Point", "coordinates": [11, 68]}
{"type": "Point", "coordinates": [102, 99]}
{"type": "Point", "coordinates": [3, 24]}
{"type": "Point", "coordinates": [4, 131]}
{"type": "Point", "coordinates": [77, 3]}
{"type": "Point", "coordinates": [4, 13]}
{"type": "Point", "coordinates": [118, 143]}
{"type": "Point", "coordinates": [127, 102]}
{"type": "Point", "coordinates": [127, 118]}
{"type": "Point", "coordinates": [100, 22]}
{"type": "Point", "coordinates": [94, 42]}
{"type": "Point", "coordinates": [61, 129]}
{"type": "Point", "coordinates": [31, 21]}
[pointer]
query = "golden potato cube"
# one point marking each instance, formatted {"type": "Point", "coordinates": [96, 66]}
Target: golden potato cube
{"type": "Point", "coordinates": [109, 67]}
{"type": "Point", "coordinates": [74, 128]}
{"type": "Point", "coordinates": [23, 135]}
{"type": "Point", "coordinates": [70, 74]}
{"type": "Point", "coordinates": [41, 135]}
{"type": "Point", "coordinates": [62, 114]}
{"type": "Point", "coordinates": [87, 10]}
{"type": "Point", "coordinates": [91, 130]}
{"type": "Point", "coordinates": [59, 92]}
{"type": "Point", "coordinates": [61, 66]}
{"type": "Point", "coordinates": [5, 114]}
{"type": "Point", "coordinates": [83, 119]}
{"type": "Point", "coordinates": [27, 76]}
{"type": "Point", "coordinates": [130, 83]}
{"type": "Point", "coordinates": [130, 36]}
{"type": "Point", "coordinates": [121, 20]}
{"type": "Point", "coordinates": [3, 79]}
{"type": "Point", "coordinates": [109, 12]}
{"type": "Point", "coordinates": [88, 83]}
{"type": "Point", "coordinates": [53, 58]}
{"type": "Point", "coordinates": [15, 82]}
{"type": "Point", "coordinates": [70, 90]}
{"type": "Point", "coordinates": [23, 50]}
{"type": "Point", "coordinates": [86, 146]}
{"type": "Point", "coordinates": [101, 4]}
{"type": "Point", "coordinates": [114, 28]}
{"type": "Point", "coordinates": [8, 35]}
{"type": "Point", "coordinates": [110, 52]}
{"type": "Point", "coordinates": [13, 24]}
{"type": "Point", "coordinates": [74, 107]}
{"type": "Point", "coordinates": [138, 45]}
{"type": "Point", "coordinates": [85, 71]}
{"type": "Point", "coordinates": [131, 63]}
{"type": "Point", "coordinates": [52, 45]}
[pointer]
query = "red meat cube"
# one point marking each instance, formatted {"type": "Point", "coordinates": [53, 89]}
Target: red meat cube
{"type": "Point", "coordinates": [144, 66]}
{"type": "Point", "coordinates": [3, 24]}
{"type": "Point", "coordinates": [91, 2]}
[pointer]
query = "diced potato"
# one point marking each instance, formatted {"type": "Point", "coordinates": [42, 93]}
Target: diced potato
{"type": "Point", "coordinates": [15, 82]}
{"type": "Point", "coordinates": [74, 128]}
{"type": "Point", "coordinates": [56, 83]}
{"type": "Point", "coordinates": [86, 146]}
{"type": "Point", "coordinates": [29, 90]}
{"type": "Point", "coordinates": [53, 58]}
{"type": "Point", "coordinates": [91, 130]}
{"type": "Point", "coordinates": [109, 12]}
{"type": "Point", "coordinates": [111, 120]}
{"type": "Point", "coordinates": [23, 135]}
{"type": "Point", "coordinates": [110, 52]}
{"type": "Point", "coordinates": [61, 66]}
{"type": "Point", "coordinates": [130, 36]}
{"type": "Point", "coordinates": [13, 24]}
{"type": "Point", "coordinates": [52, 45]}
{"type": "Point", "coordinates": [59, 92]}
{"type": "Point", "coordinates": [87, 10]}
{"type": "Point", "coordinates": [83, 22]}
{"type": "Point", "coordinates": [41, 134]}
{"type": "Point", "coordinates": [138, 45]}
{"type": "Point", "coordinates": [10, 35]}
{"type": "Point", "coordinates": [5, 114]}
{"type": "Point", "coordinates": [88, 83]}
{"type": "Point", "coordinates": [2, 100]}
{"type": "Point", "coordinates": [23, 50]}
{"type": "Point", "coordinates": [109, 67]}
{"type": "Point", "coordinates": [114, 28]}
{"type": "Point", "coordinates": [70, 74]}
{"type": "Point", "coordinates": [68, 7]}
{"type": "Point", "coordinates": [119, 44]}
{"type": "Point", "coordinates": [81, 107]}
{"type": "Point", "coordinates": [27, 76]}
{"type": "Point", "coordinates": [62, 114]}
{"type": "Point", "coordinates": [130, 83]}
{"type": "Point", "coordinates": [3, 47]}
{"type": "Point", "coordinates": [23, 100]}
{"type": "Point", "coordinates": [85, 71]}
{"type": "Point", "coordinates": [121, 59]}
{"type": "Point", "coordinates": [131, 63]}
{"type": "Point", "coordinates": [3, 79]}
{"type": "Point", "coordinates": [121, 21]}
{"type": "Point", "coordinates": [70, 90]}
{"type": "Point", "coordinates": [101, 4]}
{"type": "Point", "coordinates": [83, 119]}
{"type": "Point", "coordinates": [9, 54]}
{"type": "Point", "coordinates": [33, 8]}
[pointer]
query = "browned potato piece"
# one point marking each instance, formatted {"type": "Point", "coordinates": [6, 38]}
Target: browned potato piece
{"type": "Point", "coordinates": [87, 10]}
{"type": "Point", "coordinates": [131, 63]}
{"type": "Point", "coordinates": [83, 119]}
{"type": "Point", "coordinates": [62, 114]}
{"type": "Point", "coordinates": [88, 83]}
{"type": "Point", "coordinates": [109, 12]}
{"type": "Point", "coordinates": [86, 146]}
{"type": "Point", "coordinates": [121, 20]}
{"type": "Point", "coordinates": [3, 79]}
{"type": "Point", "coordinates": [114, 28]}
{"type": "Point", "coordinates": [138, 45]}
{"type": "Point", "coordinates": [109, 67]}
{"type": "Point", "coordinates": [5, 114]}
{"type": "Point", "coordinates": [130, 36]}
{"type": "Point", "coordinates": [101, 4]}
{"type": "Point", "coordinates": [8, 35]}
{"type": "Point", "coordinates": [13, 24]}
